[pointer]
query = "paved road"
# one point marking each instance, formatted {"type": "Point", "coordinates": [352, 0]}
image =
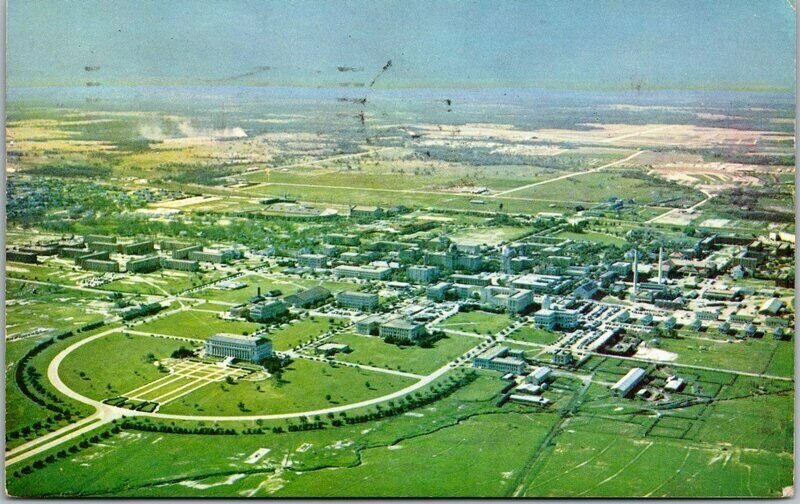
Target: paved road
{"type": "Point", "coordinates": [569, 175]}
{"type": "Point", "coordinates": [55, 379]}
{"type": "Point", "coordinates": [674, 210]}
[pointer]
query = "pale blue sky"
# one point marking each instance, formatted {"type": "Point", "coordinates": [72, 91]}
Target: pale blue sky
{"type": "Point", "coordinates": [596, 44]}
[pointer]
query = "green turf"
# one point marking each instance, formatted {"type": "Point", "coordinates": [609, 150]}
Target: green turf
{"type": "Point", "coordinates": [304, 385]}
{"type": "Point", "coordinates": [123, 364]}
{"type": "Point", "coordinates": [195, 324]}
{"type": "Point", "coordinates": [478, 322]}
{"type": "Point", "coordinates": [373, 351]}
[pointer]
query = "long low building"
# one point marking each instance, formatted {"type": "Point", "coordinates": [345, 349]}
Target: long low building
{"type": "Point", "coordinates": [248, 348]}
{"type": "Point", "coordinates": [627, 383]}
{"type": "Point", "coordinates": [364, 272]}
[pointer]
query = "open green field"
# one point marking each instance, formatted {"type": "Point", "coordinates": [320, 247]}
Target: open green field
{"type": "Point", "coordinates": [751, 355]}
{"type": "Point", "coordinates": [31, 307]}
{"type": "Point", "coordinates": [532, 334]}
{"type": "Point", "coordinates": [124, 364]}
{"type": "Point", "coordinates": [373, 351]}
{"type": "Point", "coordinates": [515, 203]}
{"type": "Point", "coordinates": [163, 282]}
{"type": "Point", "coordinates": [593, 464]}
{"type": "Point", "coordinates": [299, 331]}
{"type": "Point", "coordinates": [285, 284]}
{"type": "Point", "coordinates": [195, 324]}
{"type": "Point", "coordinates": [304, 385]}
{"type": "Point", "coordinates": [478, 322]}
{"type": "Point", "coordinates": [624, 184]}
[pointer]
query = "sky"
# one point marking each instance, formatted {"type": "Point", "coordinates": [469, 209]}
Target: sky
{"type": "Point", "coordinates": [568, 44]}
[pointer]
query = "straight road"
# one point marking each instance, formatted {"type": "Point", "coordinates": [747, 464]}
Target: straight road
{"type": "Point", "coordinates": [569, 175]}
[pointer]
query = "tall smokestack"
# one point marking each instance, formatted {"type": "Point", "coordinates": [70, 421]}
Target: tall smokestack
{"type": "Point", "coordinates": [660, 263]}
{"type": "Point", "coordinates": [635, 271]}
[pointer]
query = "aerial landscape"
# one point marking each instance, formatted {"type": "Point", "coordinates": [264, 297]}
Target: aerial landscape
{"type": "Point", "coordinates": [365, 278]}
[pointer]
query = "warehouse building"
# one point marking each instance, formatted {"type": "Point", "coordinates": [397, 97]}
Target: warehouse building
{"type": "Point", "coordinates": [627, 383]}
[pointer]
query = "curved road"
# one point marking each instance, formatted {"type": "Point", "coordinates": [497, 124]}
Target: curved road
{"type": "Point", "coordinates": [55, 379]}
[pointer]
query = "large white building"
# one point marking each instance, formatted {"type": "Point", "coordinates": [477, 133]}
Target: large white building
{"type": "Point", "coordinates": [248, 348]}
{"type": "Point", "coordinates": [357, 300]}
{"type": "Point", "coordinates": [365, 272]}
{"type": "Point", "coordinates": [556, 319]}
{"type": "Point", "coordinates": [512, 300]}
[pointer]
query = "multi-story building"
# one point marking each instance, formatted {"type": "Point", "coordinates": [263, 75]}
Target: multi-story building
{"type": "Point", "coordinates": [364, 272]}
{"type": "Point", "coordinates": [500, 359]}
{"type": "Point", "coordinates": [422, 274]}
{"type": "Point", "coordinates": [312, 260]}
{"type": "Point", "coordinates": [143, 265]}
{"type": "Point", "coordinates": [401, 328]}
{"type": "Point", "coordinates": [511, 300]}
{"type": "Point", "coordinates": [179, 264]}
{"type": "Point", "coordinates": [556, 319]}
{"type": "Point", "coordinates": [544, 284]}
{"type": "Point", "coordinates": [438, 292]}
{"type": "Point", "coordinates": [138, 248]}
{"type": "Point", "coordinates": [23, 257]}
{"type": "Point", "coordinates": [479, 280]}
{"type": "Point", "coordinates": [247, 348]}
{"type": "Point", "coordinates": [210, 255]}
{"type": "Point", "coordinates": [357, 300]}
{"type": "Point", "coordinates": [183, 252]}
{"type": "Point", "coordinates": [267, 310]}
{"type": "Point", "coordinates": [101, 265]}
{"type": "Point", "coordinates": [308, 297]}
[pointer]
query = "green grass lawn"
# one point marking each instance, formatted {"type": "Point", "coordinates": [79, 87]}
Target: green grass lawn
{"type": "Point", "coordinates": [752, 355]}
{"type": "Point", "coordinates": [299, 331]}
{"type": "Point", "coordinates": [478, 322]}
{"type": "Point", "coordinates": [304, 385]}
{"type": "Point", "coordinates": [533, 334]}
{"type": "Point", "coordinates": [117, 360]}
{"type": "Point", "coordinates": [161, 283]}
{"type": "Point", "coordinates": [195, 324]}
{"type": "Point", "coordinates": [373, 351]}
